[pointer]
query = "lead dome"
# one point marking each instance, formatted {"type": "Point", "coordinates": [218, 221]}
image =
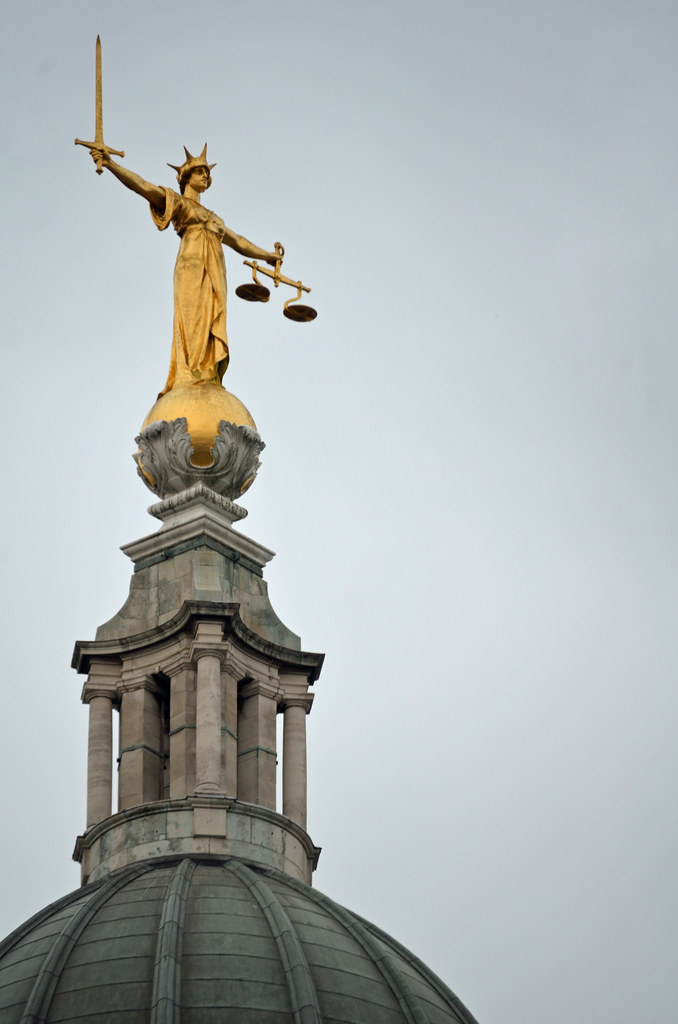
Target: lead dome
{"type": "Point", "coordinates": [199, 941]}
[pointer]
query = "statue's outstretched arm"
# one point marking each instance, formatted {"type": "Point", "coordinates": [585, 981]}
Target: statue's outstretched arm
{"type": "Point", "coordinates": [247, 248]}
{"type": "Point", "coordinates": [153, 193]}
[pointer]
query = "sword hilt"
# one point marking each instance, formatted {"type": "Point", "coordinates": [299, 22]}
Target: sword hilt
{"type": "Point", "coordinates": [103, 148]}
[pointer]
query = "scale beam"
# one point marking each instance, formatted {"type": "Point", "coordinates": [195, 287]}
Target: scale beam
{"type": "Point", "coordinates": [277, 277]}
{"type": "Point", "coordinates": [257, 292]}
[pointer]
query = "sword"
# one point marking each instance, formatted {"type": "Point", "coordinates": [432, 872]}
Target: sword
{"type": "Point", "coordinates": [99, 119]}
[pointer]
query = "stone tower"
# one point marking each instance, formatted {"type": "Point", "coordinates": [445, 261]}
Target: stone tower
{"type": "Point", "coordinates": [198, 667]}
{"type": "Point", "coordinates": [196, 904]}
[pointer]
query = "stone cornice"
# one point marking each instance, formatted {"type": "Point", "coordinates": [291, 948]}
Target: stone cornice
{"type": "Point", "coordinates": [88, 652]}
{"type": "Point", "coordinates": [206, 526]}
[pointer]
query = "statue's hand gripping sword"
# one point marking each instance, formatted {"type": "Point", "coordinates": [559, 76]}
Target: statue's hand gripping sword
{"type": "Point", "coordinates": [99, 123]}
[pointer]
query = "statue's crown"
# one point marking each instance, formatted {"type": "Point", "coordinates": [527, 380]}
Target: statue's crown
{"type": "Point", "coordinates": [190, 164]}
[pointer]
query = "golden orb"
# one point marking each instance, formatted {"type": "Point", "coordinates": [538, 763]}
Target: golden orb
{"type": "Point", "coordinates": [204, 406]}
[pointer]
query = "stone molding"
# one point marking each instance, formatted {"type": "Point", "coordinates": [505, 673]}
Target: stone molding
{"type": "Point", "coordinates": [165, 451]}
{"type": "Point", "coordinates": [87, 653]}
{"type": "Point", "coordinates": [142, 681]}
{"type": "Point", "coordinates": [260, 688]}
{"type": "Point", "coordinates": [177, 503]}
{"type": "Point", "coordinates": [207, 824]}
{"type": "Point", "coordinates": [181, 662]}
{"type": "Point", "coordinates": [198, 523]}
{"type": "Point", "coordinates": [199, 651]}
{"type": "Point", "coordinates": [247, 665]}
{"type": "Point", "coordinates": [209, 640]}
{"type": "Point", "coordinates": [297, 701]}
{"type": "Point", "coordinates": [209, 631]}
{"type": "Point", "coordinates": [103, 680]}
{"type": "Point", "coordinates": [89, 693]}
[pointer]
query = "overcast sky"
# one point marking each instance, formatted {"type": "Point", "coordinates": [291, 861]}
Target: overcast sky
{"type": "Point", "coordinates": [470, 472]}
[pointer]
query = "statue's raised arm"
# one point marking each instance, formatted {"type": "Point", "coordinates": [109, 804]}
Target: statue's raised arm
{"type": "Point", "coordinates": [153, 193]}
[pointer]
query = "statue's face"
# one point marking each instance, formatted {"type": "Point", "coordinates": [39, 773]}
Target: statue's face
{"type": "Point", "coordinates": [199, 179]}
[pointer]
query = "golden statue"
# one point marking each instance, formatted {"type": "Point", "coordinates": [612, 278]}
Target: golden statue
{"type": "Point", "coordinates": [199, 342]}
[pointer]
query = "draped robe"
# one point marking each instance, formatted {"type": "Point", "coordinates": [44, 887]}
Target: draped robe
{"type": "Point", "coordinates": [199, 342]}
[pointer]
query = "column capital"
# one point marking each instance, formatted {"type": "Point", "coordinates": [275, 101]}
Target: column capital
{"type": "Point", "coordinates": [103, 680]}
{"type": "Point", "coordinates": [180, 666]}
{"type": "Point", "coordinates": [300, 700]}
{"type": "Point", "coordinates": [260, 687]}
{"type": "Point", "coordinates": [139, 682]}
{"type": "Point", "coordinates": [214, 650]}
{"type": "Point", "coordinates": [244, 666]}
{"type": "Point", "coordinates": [89, 692]}
{"type": "Point", "coordinates": [179, 663]}
{"type": "Point", "coordinates": [209, 632]}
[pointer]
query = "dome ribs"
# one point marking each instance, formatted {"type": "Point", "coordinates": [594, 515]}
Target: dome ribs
{"type": "Point", "coordinates": [413, 1013]}
{"type": "Point", "coordinates": [38, 1003]}
{"type": "Point", "coordinates": [446, 993]}
{"type": "Point", "coordinates": [166, 999]}
{"type": "Point", "coordinates": [209, 938]}
{"type": "Point", "coordinates": [25, 929]}
{"type": "Point", "coordinates": [303, 997]}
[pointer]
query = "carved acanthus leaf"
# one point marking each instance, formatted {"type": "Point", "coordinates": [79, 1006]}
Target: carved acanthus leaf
{"type": "Point", "coordinates": [164, 459]}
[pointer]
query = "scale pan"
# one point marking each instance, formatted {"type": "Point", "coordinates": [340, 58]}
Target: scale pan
{"type": "Point", "coordinates": [297, 311]}
{"type": "Point", "coordinates": [253, 292]}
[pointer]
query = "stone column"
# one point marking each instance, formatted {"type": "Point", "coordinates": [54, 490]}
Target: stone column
{"type": "Point", "coordinates": [182, 731]}
{"type": "Point", "coordinates": [229, 728]}
{"type": "Point", "coordinates": [101, 693]}
{"type": "Point", "coordinates": [207, 653]}
{"type": "Point", "coordinates": [295, 710]}
{"type": "Point", "coordinates": [141, 758]}
{"type": "Point", "coordinates": [256, 743]}
{"type": "Point", "coordinates": [99, 757]}
{"type": "Point", "coordinates": [208, 723]}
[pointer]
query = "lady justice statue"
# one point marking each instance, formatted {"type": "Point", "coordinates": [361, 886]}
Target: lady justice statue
{"type": "Point", "coordinates": [196, 431]}
{"type": "Point", "coordinates": [199, 342]}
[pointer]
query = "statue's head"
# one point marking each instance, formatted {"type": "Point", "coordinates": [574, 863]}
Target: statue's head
{"type": "Point", "coordinates": [190, 164]}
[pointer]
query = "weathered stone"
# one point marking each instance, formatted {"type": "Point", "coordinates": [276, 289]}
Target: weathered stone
{"type": "Point", "coordinates": [199, 824]}
{"type": "Point", "coordinates": [197, 555]}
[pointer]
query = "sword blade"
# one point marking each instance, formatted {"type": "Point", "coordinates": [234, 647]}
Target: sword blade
{"type": "Point", "coordinates": [99, 143]}
{"type": "Point", "coordinates": [99, 112]}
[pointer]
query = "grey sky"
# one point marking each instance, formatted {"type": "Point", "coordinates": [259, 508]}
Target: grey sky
{"type": "Point", "coordinates": [470, 472]}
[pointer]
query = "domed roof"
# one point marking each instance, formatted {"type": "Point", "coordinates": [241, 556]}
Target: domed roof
{"type": "Point", "coordinates": [190, 939]}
